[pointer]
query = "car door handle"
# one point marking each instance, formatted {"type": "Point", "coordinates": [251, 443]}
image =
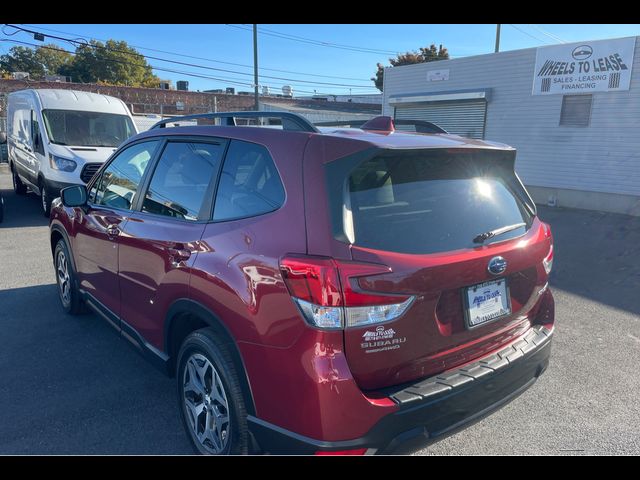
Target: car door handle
{"type": "Point", "coordinates": [112, 231]}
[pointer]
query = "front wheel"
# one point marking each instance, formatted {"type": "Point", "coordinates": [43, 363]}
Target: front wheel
{"type": "Point", "coordinates": [66, 280]}
{"type": "Point", "coordinates": [210, 398]}
{"type": "Point", "coordinates": [45, 199]}
{"type": "Point", "coordinates": [18, 187]}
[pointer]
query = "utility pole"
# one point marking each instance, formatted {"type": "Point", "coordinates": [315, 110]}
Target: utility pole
{"type": "Point", "coordinates": [497, 38]}
{"type": "Point", "coordinates": [255, 67]}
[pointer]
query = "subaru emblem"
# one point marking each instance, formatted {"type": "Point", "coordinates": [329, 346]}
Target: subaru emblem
{"type": "Point", "coordinates": [497, 265]}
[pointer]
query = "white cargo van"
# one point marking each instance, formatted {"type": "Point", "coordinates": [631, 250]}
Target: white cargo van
{"type": "Point", "coordinates": [58, 138]}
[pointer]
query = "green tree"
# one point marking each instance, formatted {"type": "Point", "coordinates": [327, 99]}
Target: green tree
{"type": "Point", "coordinates": [113, 63]}
{"type": "Point", "coordinates": [22, 59]}
{"type": "Point", "coordinates": [52, 58]}
{"type": "Point", "coordinates": [427, 54]}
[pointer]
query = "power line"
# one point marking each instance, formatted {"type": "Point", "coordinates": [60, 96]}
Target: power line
{"type": "Point", "coordinates": [203, 58]}
{"type": "Point", "coordinates": [528, 34]}
{"type": "Point", "coordinates": [192, 74]}
{"type": "Point", "coordinates": [550, 35]}
{"type": "Point", "coordinates": [273, 33]}
{"type": "Point", "coordinates": [316, 83]}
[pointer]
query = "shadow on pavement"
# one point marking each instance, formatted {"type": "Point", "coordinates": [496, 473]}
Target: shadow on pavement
{"type": "Point", "coordinates": [20, 210]}
{"type": "Point", "coordinates": [72, 385]}
{"type": "Point", "coordinates": [597, 255]}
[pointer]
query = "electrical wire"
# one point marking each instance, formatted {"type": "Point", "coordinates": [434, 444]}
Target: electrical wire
{"type": "Point", "coordinates": [273, 33]}
{"type": "Point", "coordinates": [528, 34]}
{"type": "Point", "coordinates": [192, 74]}
{"type": "Point", "coordinates": [202, 58]}
{"type": "Point", "coordinates": [72, 41]}
{"type": "Point", "coordinates": [550, 35]}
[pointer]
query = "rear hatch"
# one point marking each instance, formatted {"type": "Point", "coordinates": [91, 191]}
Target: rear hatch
{"type": "Point", "coordinates": [441, 220]}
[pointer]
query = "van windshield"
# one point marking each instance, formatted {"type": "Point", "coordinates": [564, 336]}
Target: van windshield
{"type": "Point", "coordinates": [87, 129]}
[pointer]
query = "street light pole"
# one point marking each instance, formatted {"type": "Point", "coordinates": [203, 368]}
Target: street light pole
{"type": "Point", "coordinates": [497, 38]}
{"type": "Point", "coordinates": [255, 66]}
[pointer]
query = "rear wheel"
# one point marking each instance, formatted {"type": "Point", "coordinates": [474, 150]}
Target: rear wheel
{"type": "Point", "coordinates": [45, 198]}
{"type": "Point", "coordinates": [66, 280]}
{"type": "Point", "coordinates": [210, 398]}
{"type": "Point", "coordinates": [18, 187]}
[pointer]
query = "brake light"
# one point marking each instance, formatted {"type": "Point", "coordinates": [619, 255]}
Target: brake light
{"type": "Point", "coordinates": [356, 451]}
{"type": "Point", "coordinates": [547, 262]}
{"type": "Point", "coordinates": [329, 297]}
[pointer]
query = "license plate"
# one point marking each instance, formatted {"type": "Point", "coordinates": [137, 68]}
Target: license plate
{"type": "Point", "coordinates": [486, 302]}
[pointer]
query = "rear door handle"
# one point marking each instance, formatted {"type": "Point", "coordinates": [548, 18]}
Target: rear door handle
{"type": "Point", "coordinates": [112, 231]}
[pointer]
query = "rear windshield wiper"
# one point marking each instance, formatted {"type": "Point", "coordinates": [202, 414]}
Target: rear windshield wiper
{"type": "Point", "coordinates": [498, 231]}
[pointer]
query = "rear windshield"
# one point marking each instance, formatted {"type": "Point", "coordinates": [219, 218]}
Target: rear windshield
{"type": "Point", "coordinates": [431, 201]}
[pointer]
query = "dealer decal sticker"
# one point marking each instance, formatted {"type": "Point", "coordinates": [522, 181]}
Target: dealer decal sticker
{"type": "Point", "coordinates": [381, 340]}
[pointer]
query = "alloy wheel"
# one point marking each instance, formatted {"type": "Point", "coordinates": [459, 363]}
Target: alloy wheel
{"type": "Point", "coordinates": [43, 197]}
{"type": "Point", "coordinates": [205, 404]}
{"type": "Point", "coordinates": [64, 279]}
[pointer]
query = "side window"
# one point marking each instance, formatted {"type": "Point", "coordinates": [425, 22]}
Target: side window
{"type": "Point", "coordinates": [37, 137]}
{"type": "Point", "coordinates": [118, 184]}
{"type": "Point", "coordinates": [183, 179]}
{"type": "Point", "coordinates": [21, 124]}
{"type": "Point", "coordinates": [249, 184]}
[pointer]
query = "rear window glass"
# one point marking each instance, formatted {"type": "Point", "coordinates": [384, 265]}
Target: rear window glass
{"type": "Point", "coordinates": [430, 202]}
{"type": "Point", "coordinates": [249, 184]}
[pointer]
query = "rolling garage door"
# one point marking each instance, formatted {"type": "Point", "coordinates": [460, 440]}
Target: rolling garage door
{"type": "Point", "coordinates": [464, 118]}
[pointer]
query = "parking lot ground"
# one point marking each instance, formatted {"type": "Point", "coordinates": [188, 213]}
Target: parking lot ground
{"type": "Point", "coordinates": [70, 385]}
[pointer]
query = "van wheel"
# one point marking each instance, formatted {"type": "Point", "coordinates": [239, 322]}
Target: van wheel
{"type": "Point", "coordinates": [66, 280]}
{"type": "Point", "coordinates": [45, 198]}
{"type": "Point", "coordinates": [18, 187]}
{"type": "Point", "coordinates": [210, 398]}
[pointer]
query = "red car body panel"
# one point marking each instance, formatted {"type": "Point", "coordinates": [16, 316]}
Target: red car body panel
{"type": "Point", "coordinates": [319, 384]}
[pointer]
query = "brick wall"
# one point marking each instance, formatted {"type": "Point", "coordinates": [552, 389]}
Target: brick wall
{"type": "Point", "coordinates": [149, 100]}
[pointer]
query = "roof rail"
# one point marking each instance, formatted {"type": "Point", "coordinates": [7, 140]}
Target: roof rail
{"type": "Point", "coordinates": [422, 126]}
{"type": "Point", "coordinates": [290, 121]}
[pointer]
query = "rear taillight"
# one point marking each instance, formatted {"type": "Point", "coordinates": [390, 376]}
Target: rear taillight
{"type": "Point", "coordinates": [356, 451]}
{"type": "Point", "coordinates": [547, 262]}
{"type": "Point", "coordinates": [328, 295]}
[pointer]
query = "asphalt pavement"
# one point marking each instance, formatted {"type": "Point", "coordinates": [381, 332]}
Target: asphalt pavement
{"type": "Point", "coordinates": [70, 385]}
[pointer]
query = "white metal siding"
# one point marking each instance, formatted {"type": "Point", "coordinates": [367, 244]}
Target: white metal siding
{"type": "Point", "coordinates": [602, 157]}
{"type": "Point", "coordinates": [464, 118]}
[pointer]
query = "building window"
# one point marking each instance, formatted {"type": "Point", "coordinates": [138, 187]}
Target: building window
{"type": "Point", "coordinates": [576, 110]}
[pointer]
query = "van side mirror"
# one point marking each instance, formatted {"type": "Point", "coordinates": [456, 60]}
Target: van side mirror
{"type": "Point", "coordinates": [3, 137]}
{"type": "Point", "coordinates": [74, 196]}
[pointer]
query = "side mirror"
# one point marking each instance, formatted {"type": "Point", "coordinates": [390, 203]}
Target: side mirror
{"type": "Point", "coordinates": [74, 196]}
{"type": "Point", "coordinates": [3, 137]}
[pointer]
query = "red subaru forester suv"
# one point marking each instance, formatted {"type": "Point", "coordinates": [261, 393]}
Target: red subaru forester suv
{"type": "Point", "coordinates": [334, 291]}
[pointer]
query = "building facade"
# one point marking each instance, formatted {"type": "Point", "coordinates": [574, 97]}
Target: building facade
{"type": "Point", "coordinates": [572, 111]}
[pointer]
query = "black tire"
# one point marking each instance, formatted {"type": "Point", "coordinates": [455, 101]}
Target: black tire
{"type": "Point", "coordinates": [73, 304]}
{"type": "Point", "coordinates": [18, 187]}
{"type": "Point", "coordinates": [205, 343]}
{"type": "Point", "coordinates": [45, 198]}
{"type": "Point", "coordinates": [1, 208]}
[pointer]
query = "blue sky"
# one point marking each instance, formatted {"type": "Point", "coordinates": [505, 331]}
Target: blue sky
{"type": "Point", "coordinates": [318, 68]}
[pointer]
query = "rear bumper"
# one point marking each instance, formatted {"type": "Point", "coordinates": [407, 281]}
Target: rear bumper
{"type": "Point", "coordinates": [435, 407]}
